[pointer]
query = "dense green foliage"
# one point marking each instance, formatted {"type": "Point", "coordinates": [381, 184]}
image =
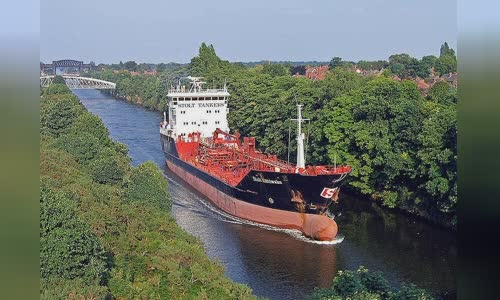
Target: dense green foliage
{"type": "Point", "coordinates": [68, 248]}
{"type": "Point", "coordinates": [401, 144]}
{"type": "Point", "coordinates": [58, 79]}
{"type": "Point", "coordinates": [147, 186]}
{"type": "Point", "coordinates": [105, 227]}
{"type": "Point", "coordinates": [363, 284]}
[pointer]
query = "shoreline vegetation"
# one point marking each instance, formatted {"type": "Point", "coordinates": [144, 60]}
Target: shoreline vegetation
{"type": "Point", "coordinates": [106, 230]}
{"type": "Point", "coordinates": [400, 141]}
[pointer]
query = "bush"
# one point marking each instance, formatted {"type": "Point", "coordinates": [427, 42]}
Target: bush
{"type": "Point", "coordinates": [58, 79]}
{"type": "Point", "coordinates": [410, 291]}
{"type": "Point", "coordinates": [363, 284]}
{"type": "Point", "coordinates": [83, 146]}
{"type": "Point", "coordinates": [147, 185]}
{"type": "Point", "coordinates": [57, 114]}
{"type": "Point", "coordinates": [57, 88]}
{"type": "Point", "coordinates": [58, 288]}
{"type": "Point", "coordinates": [68, 247]}
{"type": "Point", "coordinates": [90, 123]}
{"type": "Point", "coordinates": [107, 169]}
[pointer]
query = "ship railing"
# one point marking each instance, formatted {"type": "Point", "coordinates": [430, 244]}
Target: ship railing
{"type": "Point", "coordinates": [184, 91]}
{"type": "Point", "coordinates": [338, 169]}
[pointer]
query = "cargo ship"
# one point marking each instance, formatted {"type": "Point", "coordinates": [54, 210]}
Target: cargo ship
{"type": "Point", "coordinates": [238, 178]}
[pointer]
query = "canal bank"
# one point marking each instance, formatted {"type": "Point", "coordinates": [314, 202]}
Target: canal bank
{"type": "Point", "coordinates": [274, 263]}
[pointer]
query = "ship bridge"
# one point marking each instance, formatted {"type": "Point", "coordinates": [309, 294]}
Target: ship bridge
{"type": "Point", "coordinates": [195, 109]}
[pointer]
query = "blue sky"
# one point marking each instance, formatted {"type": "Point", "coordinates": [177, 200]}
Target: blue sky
{"type": "Point", "coordinates": [164, 31]}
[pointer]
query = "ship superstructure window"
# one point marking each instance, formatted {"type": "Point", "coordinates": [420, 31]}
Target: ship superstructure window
{"type": "Point", "coordinates": [193, 123]}
{"type": "Point", "coordinates": [186, 123]}
{"type": "Point", "coordinates": [217, 122]}
{"type": "Point", "coordinates": [205, 122]}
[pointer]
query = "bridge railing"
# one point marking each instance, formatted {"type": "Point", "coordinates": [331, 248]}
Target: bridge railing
{"type": "Point", "coordinates": [77, 82]}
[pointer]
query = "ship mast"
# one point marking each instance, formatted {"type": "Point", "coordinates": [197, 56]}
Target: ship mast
{"type": "Point", "coordinates": [301, 159]}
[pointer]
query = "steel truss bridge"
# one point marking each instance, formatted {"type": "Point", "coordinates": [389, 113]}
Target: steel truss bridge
{"type": "Point", "coordinates": [77, 82]}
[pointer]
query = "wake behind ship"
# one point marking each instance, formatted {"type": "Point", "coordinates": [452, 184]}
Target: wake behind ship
{"type": "Point", "coordinates": [238, 178]}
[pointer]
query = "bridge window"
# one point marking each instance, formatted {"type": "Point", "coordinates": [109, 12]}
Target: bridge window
{"type": "Point", "coordinates": [181, 98]}
{"type": "Point", "coordinates": [187, 98]}
{"type": "Point", "coordinates": [195, 98]}
{"type": "Point", "coordinates": [201, 98]}
{"type": "Point", "coordinates": [221, 98]}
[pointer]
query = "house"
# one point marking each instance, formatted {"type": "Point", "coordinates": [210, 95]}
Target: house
{"type": "Point", "coordinates": [316, 72]}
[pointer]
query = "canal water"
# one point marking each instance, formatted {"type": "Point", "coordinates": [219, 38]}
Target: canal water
{"type": "Point", "coordinates": [281, 264]}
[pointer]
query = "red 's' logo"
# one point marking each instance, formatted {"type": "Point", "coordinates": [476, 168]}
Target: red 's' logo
{"type": "Point", "coordinates": [328, 192]}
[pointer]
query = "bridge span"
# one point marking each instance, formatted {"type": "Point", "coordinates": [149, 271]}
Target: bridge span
{"type": "Point", "coordinates": [77, 82]}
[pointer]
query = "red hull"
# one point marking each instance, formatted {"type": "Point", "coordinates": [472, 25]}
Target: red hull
{"type": "Point", "coordinates": [318, 227]}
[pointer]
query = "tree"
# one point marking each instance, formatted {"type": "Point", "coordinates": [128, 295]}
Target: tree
{"type": "Point", "coordinates": [426, 65]}
{"type": "Point", "coordinates": [147, 185]}
{"type": "Point", "coordinates": [405, 66]}
{"type": "Point", "coordinates": [58, 112]}
{"type": "Point", "coordinates": [445, 64]}
{"type": "Point", "coordinates": [56, 88]}
{"type": "Point", "coordinates": [276, 69]}
{"type": "Point", "coordinates": [397, 69]}
{"type": "Point", "coordinates": [68, 247]}
{"type": "Point", "coordinates": [161, 67]}
{"type": "Point", "coordinates": [443, 93]}
{"type": "Point", "coordinates": [301, 70]}
{"type": "Point", "coordinates": [83, 146]}
{"type": "Point", "coordinates": [92, 124]}
{"type": "Point", "coordinates": [130, 65]}
{"type": "Point", "coordinates": [445, 50]}
{"type": "Point", "coordinates": [364, 284]}
{"type": "Point", "coordinates": [335, 62]}
{"type": "Point", "coordinates": [206, 61]}
{"type": "Point", "coordinates": [58, 79]}
{"type": "Point", "coordinates": [107, 169]}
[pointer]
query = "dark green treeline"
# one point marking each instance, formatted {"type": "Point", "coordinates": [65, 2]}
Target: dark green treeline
{"type": "Point", "coordinates": [401, 144]}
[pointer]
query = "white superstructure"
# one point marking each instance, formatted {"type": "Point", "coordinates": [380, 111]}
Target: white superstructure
{"type": "Point", "coordinates": [194, 109]}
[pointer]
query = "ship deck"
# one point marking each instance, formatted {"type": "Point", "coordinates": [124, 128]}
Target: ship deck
{"type": "Point", "coordinates": [230, 161]}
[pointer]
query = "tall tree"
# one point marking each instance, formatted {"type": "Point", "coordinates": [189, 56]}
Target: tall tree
{"type": "Point", "coordinates": [445, 64]}
{"type": "Point", "coordinates": [446, 50]}
{"type": "Point", "coordinates": [131, 65]}
{"type": "Point", "coordinates": [335, 62]}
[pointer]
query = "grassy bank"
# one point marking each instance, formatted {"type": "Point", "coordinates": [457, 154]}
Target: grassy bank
{"type": "Point", "coordinates": [105, 227]}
